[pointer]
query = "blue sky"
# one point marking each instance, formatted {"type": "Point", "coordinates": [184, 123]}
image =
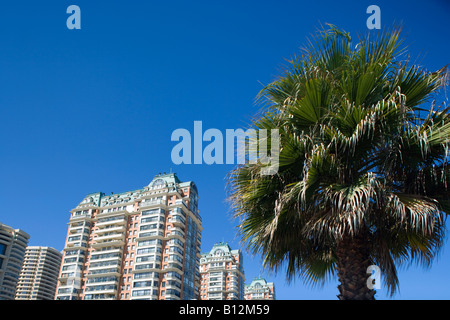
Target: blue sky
{"type": "Point", "coordinates": [93, 109]}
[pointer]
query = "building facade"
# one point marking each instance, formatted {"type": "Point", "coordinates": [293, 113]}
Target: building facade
{"type": "Point", "coordinates": [222, 274]}
{"type": "Point", "coordinates": [141, 244]}
{"type": "Point", "coordinates": [13, 243]}
{"type": "Point", "coordinates": [259, 289]}
{"type": "Point", "coordinates": [39, 274]}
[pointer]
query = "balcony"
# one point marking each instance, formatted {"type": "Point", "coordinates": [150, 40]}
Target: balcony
{"type": "Point", "coordinates": [233, 288]}
{"type": "Point", "coordinates": [86, 205]}
{"type": "Point", "coordinates": [112, 221]}
{"type": "Point", "coordinates": [216, 296]}
{"type": "Point", "coordinates": [172, 297]}
{"type": "Point", "coordinates": [216, 289]}
{"type": "Point", "coordinates": [112, 214]}
{"type": "Point", "coordinates": [171, 276]}
{"type": "Point", "coordinates": [76, 245]}
{"type": "Point", "coordinates": [178, 211]}
{"type": "Point", "coordinates": [176, 250]}
{"type": "Point", "coordinates": [78, 230]}
{"type": "Point", "coordinates": [110, 243]}
{"type": "Point", "coordinates": [173, 267]}
{"type": "Point", "coordinates": [175, 232]}
{"type": "Point", "coordinates": [67, 290]}
{"type": "Point", "coordinates": [153, 212]}
{"type": "Point", "coordinates": [113, 228]}
{"type": "Point", "coordinates": [148, 294]}
{"type": "Point", "coordinates": [81, 216]}
{"type": "Point", "coordinates": [106, 257]}
{"type": "Point", "coordinates": [103, 271]}
{"type": "Point", "coordinates": [174, 190]}
{"type": "Point", "coordinates": [146, 267]}
{"type": "Point", "coordinates": [179, 244]}
{"type": "Point", "coordinates": [181, 202]}
{"type": "Point", "coordinates": [154, 203]}
{"type": "Point", "coordinates": [150, 235]}
{"type": "Point", "coordinates": [217, 267]}
{"type": "Point", "coordinates": [109, 236]}
{"type": "Point", "coordinates": [101, 289]}
{"type": "Point", "coordinates": [115, 250]}
{"type": "Point", "coordinates": [68, 282]}
{"type": "Point", "coordinates": [99, 297]}
{"type": "Point", "coordinates": [172, 282]}
{"type": "Point", "coordinates": [177, 221]}
{"type": "Point", "coordinates": [110, 282]}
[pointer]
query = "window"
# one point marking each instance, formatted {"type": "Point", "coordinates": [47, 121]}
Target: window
{"type": "Point", "coordinates": [159, 183]}
{"type": "Point", "coordinates": [137, 293]}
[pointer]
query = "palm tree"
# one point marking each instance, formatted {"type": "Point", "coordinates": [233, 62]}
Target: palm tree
{"type": "Point", "coordinates": [363, 173]}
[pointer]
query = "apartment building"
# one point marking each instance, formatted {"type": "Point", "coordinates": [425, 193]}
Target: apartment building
{"type": "Point", "coordinates": [13, 243]}
{"type": "Point", "coordinates": [141, 244]}
{"type": "Point", "coordinates": [39, 274]}
{"type": "Point", "coordinates": [222, 274]}
{"type": "Point", "coordinates": [259, 289]}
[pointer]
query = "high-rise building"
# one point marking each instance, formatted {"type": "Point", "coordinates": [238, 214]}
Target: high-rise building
{"type": "Point", "coordinates": [40, 270]}
{"type": "Point", "coordinates": [259, 289]}
{"type": "Point", "coordinates": [13, 243]}
{"type": "Point", "coordinates": [222, 274]}
{"type": "Point", "coordinates": [141, 244]}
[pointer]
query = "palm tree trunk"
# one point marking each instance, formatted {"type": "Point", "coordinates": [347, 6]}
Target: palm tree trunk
{"type": "Point", "coordinates": [352, 262]}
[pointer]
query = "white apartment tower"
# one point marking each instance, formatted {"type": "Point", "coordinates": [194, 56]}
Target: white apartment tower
{"type": "Point", "coordinates": [222, 274]}
{"type": "Point", "coordinates": [259, 289]}
{"type": "Point", "coordinates": [142, 244]}
{"type": "Point", "coordinates": [39, 274]}
{"type": "Point", "coordinates": [13, 243]}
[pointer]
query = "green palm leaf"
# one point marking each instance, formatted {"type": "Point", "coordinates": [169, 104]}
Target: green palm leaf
{"type": "Point", "coordinates": [363, 168]}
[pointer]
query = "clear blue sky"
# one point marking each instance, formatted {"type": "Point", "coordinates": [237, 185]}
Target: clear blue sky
{"type": "Point", "coordinates": [93, 109]}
